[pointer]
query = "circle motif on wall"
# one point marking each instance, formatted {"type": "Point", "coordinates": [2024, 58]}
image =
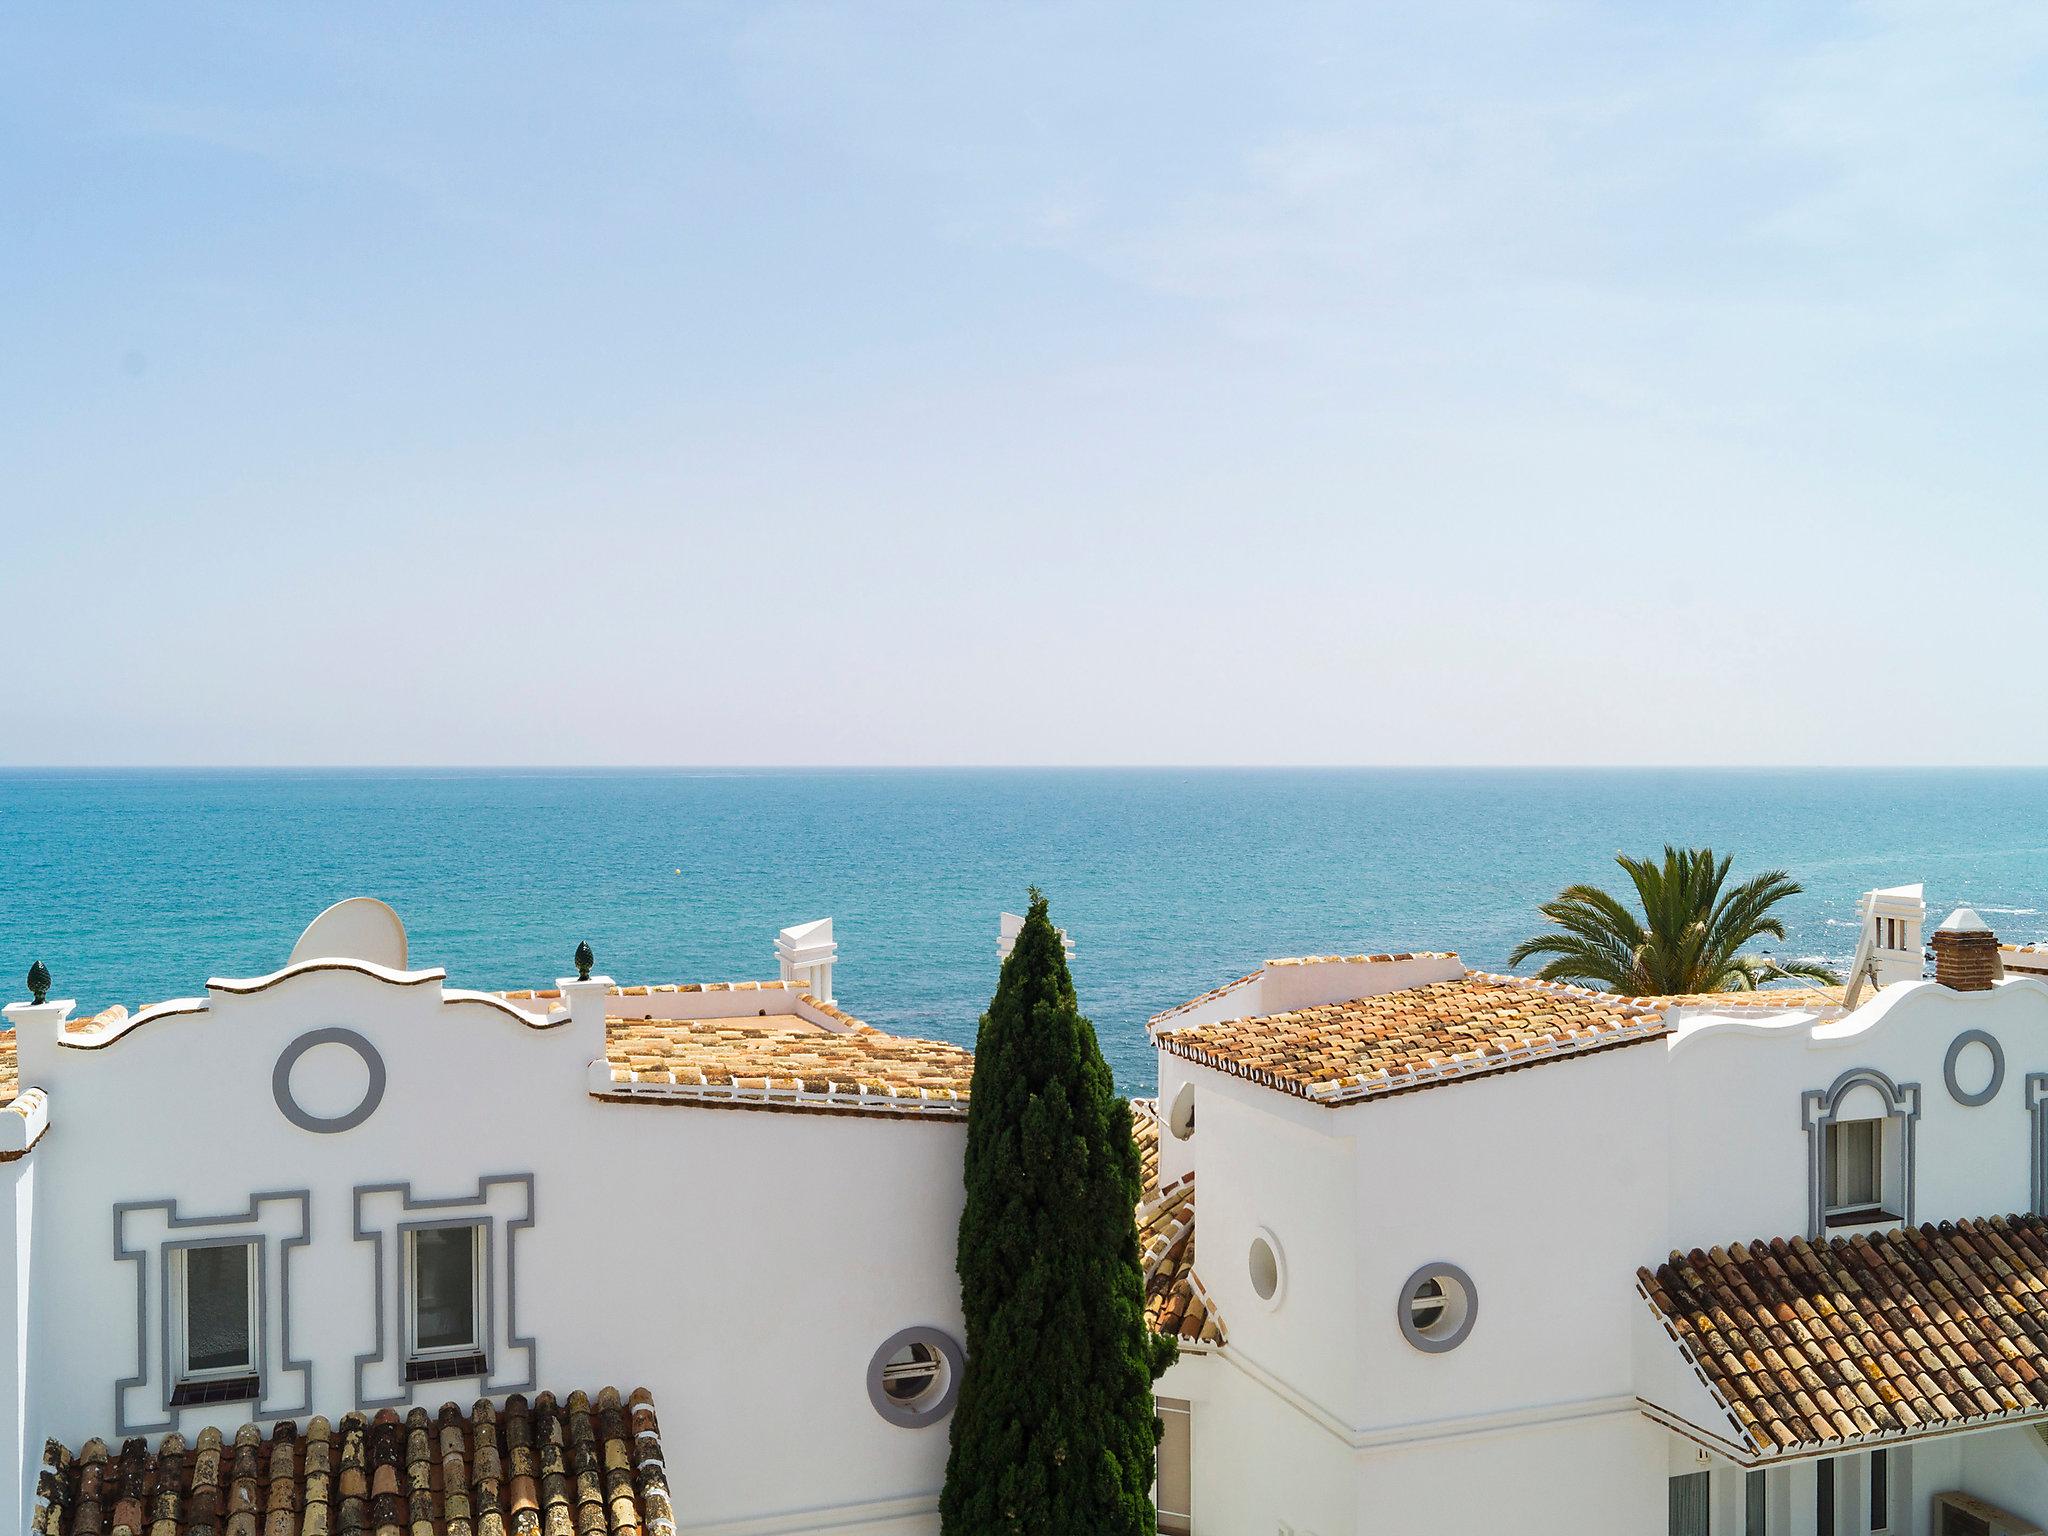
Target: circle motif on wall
{"type": "Point", "coordinates": [1268, 1268]}
{"type": "Point", "coordinates": [1438, 1307]}
{"type": "Point", "coordinates": [327, 1125]}
{"type": "Point", "coordinates": [1956, 1047]}
{"type": "Point", "coordinates": [915, 1375]}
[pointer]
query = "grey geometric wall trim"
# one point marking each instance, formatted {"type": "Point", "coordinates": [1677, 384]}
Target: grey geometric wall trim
{"type": "Point", "coordinates": [503, 1207]}
{"type": "Point", "coordinates": [1817, 1110]}
{"type": "Point", "coordinates": [2037, 1110]}
{"type": "Point", "coordinates": [1956, 1047]}
{"type": "Point", "coordinates": [327, 1125]}
{"type": "Point", "coordinates": [154, 1240]}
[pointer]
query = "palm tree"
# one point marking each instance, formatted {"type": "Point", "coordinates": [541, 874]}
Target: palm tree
{"type": "Point", "coordinates": [1689, 938]}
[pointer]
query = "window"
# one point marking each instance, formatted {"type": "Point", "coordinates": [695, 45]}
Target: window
{"type": "Point", "coordinates": [914, 1376]}
{"type": "Point", "coordinates": [913, 1373]}
{"type": "Point", "coordinates": [1880, 1492]}
{"type": "Point", "coordinates": [1689, 1504]}
{"type": "Point", "coordinates": [1824, 1497]}
{"type": "Point", "coordinates": [1756, 1508]}
{"type": "Point", "coordinates": [214, 1317]}
{"type": "Point", "coordinates": [445, 1317]}
{"type": "Point", "coordinates": [1437, 1308]}
{"type": "Point", "coordinates": [1855, 1172]}
{"type": "Point", "coordinates": [1426, 1304]}
{"type": "Point", "coordinates": [1174, 1491]}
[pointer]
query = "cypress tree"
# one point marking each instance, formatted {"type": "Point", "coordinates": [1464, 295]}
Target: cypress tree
{"type": "Point", "coordinates": [1054, 1431]}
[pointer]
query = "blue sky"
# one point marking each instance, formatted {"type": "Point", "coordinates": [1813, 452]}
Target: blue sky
{"type": "Point", "coordinates": [1018, 384]}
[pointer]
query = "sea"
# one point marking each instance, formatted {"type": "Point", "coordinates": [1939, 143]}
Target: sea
{"type": "Point", "coordinates": [134, 886]}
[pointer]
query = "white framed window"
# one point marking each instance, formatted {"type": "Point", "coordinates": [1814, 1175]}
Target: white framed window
{"type": "Point", "coordinates": [1855, 1170]}
{"type": "Point", "coordinates": [214, 1317]}
{"type": "Point", "coordinates": [1880, 1491]}
{"type": "Point", "coordinates": [444, 1272]}
{"type": "Point", "coordinates": [1174, 1476]}
{"type": "Point", "coordinates": [1756, 1504]}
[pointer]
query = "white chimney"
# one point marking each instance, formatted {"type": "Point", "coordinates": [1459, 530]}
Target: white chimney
{"type": "Point", "coordinates": [1888, 948]}
{"type": "Point", "coordinates": [1009, 925]}
{"type": "Point", "coordinates": [806, 954]}
{"type": "Point", "coordinates": [1894, 919]}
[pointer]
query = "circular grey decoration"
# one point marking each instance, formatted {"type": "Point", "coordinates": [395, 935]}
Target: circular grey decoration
{"type": "Point", "coordinates": [936, 1403]}
{"type": "Point", "coordinates": [1956, 1047]}
{"type": "Point", "coordinates": [327, 1125]}
{"type": "Point", "coordinates": [1456, 1302]}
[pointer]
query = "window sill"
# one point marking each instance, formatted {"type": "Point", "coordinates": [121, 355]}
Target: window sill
{"type": "Point", "coordinates": [1869, 1216]}
{"type": "Point", "coordinates": [198, 1394]}
{"type": "Point", "coordinates": [445, 1367]}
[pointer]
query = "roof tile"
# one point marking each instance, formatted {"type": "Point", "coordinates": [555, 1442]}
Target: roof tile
{"type": "Point", "coordinates": [1417, 1037]}
{"type": "Point", "coordinates": [1811, 1344]}
{"type": "Point", "coordinates": [1175, 1302]}
{"type": "Point", "coordinates": [751, 1062]}
{"type": "Point", "coordinates": [548, 1466]}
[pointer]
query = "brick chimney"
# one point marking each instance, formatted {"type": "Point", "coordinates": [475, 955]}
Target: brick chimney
{"type": "Point", "coordinates": [1966, 953]}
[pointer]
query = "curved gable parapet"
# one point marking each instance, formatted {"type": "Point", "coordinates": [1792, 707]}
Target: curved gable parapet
{"type": "Point", "coordinates": [98, 1035]}
{"type": "Point", "coordinates": [247, 987]}
{"type": "Point", "coordinates": [1692, 1031]}
{"type": "Point", "coordinates": [22, 1123]}
{"type": "Point", "coordinates": [554, 1018]}
{"type": "Point", "coordinates": [1914, 996]}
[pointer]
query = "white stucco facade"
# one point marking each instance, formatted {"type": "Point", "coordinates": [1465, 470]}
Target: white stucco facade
{"type": "Point", "coordinates": [743, 1265]}
{"type": "Point", "coordinates": [1568, 1408]}
{"type": "Point", "coordinates": [747, 1252]}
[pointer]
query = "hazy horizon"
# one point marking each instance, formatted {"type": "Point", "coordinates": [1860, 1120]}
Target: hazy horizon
{"type": "Point", "coordinates": [797, 385]}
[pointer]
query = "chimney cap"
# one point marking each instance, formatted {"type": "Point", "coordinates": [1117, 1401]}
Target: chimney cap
{"type": "Point", "coordinates": [1963, 920]}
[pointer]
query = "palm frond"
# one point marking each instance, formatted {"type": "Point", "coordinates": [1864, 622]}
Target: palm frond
{"type": "Point", "coordinates": [1692, 935]}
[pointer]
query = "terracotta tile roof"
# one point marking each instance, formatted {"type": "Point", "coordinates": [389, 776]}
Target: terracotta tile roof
{"type": "Point", "coordinates": [1175, 1302]}
{"type": "Point", "coordinates": [661, 989]}
{"type": "Point", "coordinates": [767, 1064]}
{"type": "Point", "coordinates": [1808, 1345]}
{"type": "Point", "coordinates": [1251, 976]}
{"type": "Point", "coordinates": [1805, 999]}
{"type": "Point", "coordinates": [1417, 1037]}
{"type": "Point", "coordinates": [551, 1467]}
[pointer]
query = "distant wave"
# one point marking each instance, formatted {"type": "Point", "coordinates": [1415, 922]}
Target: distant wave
{"type": "Point", "coordinates": [2012, 911]}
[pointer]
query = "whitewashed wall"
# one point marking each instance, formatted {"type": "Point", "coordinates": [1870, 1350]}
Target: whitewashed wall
{"type": "Point", "coordinates": [19, 1449]}
{"type": "Point", "coordinates": [744, 1265]}
{"type": "Point", "coordinates": [1549, 1187]}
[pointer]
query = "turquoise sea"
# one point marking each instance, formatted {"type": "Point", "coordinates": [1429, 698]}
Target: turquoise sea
{"type": "Point", "coordinates": [134, 886]}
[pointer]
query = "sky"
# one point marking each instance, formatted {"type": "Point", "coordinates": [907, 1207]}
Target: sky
{"type": "Point", "coordinates": [962, 384]}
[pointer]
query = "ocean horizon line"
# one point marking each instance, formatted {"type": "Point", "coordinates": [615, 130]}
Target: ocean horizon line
{"type": "Point", "coordinates": [28, 769]}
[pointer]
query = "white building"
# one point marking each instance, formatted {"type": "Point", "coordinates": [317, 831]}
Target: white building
{"type": "Point", "coordinates": [1477, 1254]}
{"type": "Point", "coordinates": [349, 1187]}
{"type": "Point", "coordinates": [1502, 1256]}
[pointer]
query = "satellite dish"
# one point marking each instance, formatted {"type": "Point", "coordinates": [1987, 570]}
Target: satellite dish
{"type": "Point", "coordinates": [360, 928]}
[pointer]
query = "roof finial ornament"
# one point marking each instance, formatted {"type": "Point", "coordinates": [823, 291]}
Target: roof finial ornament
{"type": "Point", "coordinates": [38, 982]}
{"type": "Point", "coordinates": [584, 961]}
